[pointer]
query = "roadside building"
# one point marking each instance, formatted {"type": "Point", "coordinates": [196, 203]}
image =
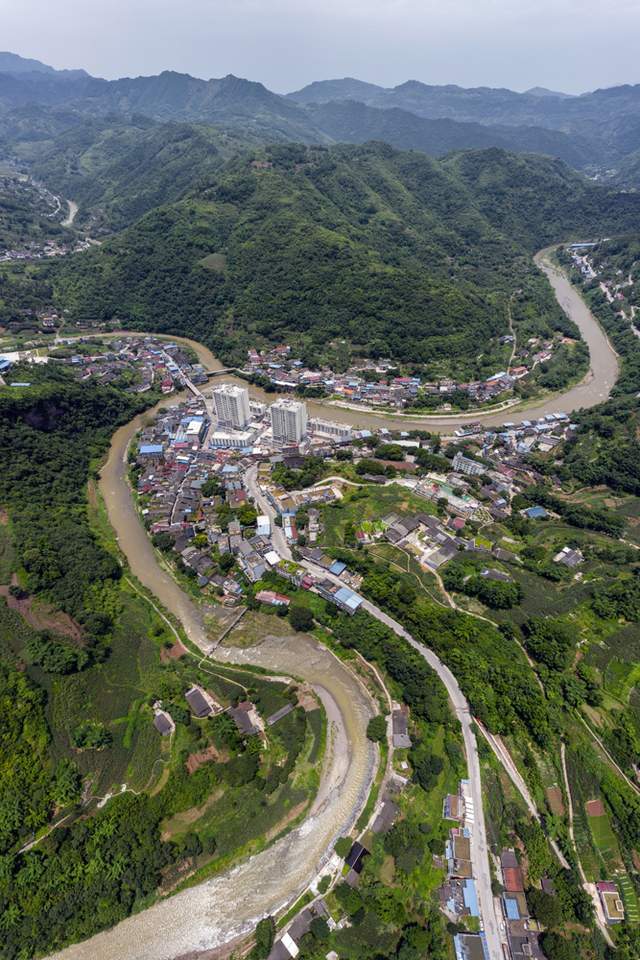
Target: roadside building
{"type": "Point", "coordinates": [611, 901]}
{"type": "Point", "coordinates": [288, 420]}
{"type": "Point", "coordinates": [466, 465]}
{"type": "Point", "coordinates": [400, 727]}
{"type": "Point", "coordinates": [470, 946]}
{"type": "Point", "coordinates": [511, 872]}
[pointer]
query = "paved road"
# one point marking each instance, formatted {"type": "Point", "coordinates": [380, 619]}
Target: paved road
{"type": "Point", "coordinates": [277, 533]}
{"type": "Point", "coordinates": [479, 846]}
{"type": "Point", "coordinates": [507, 762]}
{"type": "Point", "coordinates": [592, 390]}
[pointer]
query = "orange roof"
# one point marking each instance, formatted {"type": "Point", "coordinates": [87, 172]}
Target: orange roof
{"type": "Point", "coordinates": [513, 879]}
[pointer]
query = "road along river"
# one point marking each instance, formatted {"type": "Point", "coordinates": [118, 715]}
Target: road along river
{"type": "Point", "coordinates": [593, 389]}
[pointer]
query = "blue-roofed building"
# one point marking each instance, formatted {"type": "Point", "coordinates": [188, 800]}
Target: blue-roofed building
{"type": "Point", "coordinates": [511, 908]}
{"type": "Point", "coordinates": [347, 600]}
{"type": "Point", "coordinates": [337, 567]}
{"type": "Point", "coordinates": [536, 513]}
{"type": "Point", "coordinates": [151, 451]}
{"type": "Point", "coordinates": [5, 364]}
{"type": "Point", "coordinates": [470, 897]}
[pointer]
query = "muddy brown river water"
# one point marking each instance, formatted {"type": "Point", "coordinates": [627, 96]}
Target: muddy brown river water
{"type": "Point", "coordinates": [219, 910]}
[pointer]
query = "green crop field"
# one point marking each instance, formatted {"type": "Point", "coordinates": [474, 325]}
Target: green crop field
{"type": "Point", "coordinates": [606, 841]}
{"type": "Point", "coordinates": [630, 898]}
{"type": "Point", "coordinates": [370, 504]}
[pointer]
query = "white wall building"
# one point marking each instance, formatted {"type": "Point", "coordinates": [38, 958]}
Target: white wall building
{"type": "Point", "coordinates": [288, 420]}
{"type": "Point", "coordinates": [330, 428]}
{"type": "Point", "coordinates": [237, 440]}
{"type": "Point", "coordinates": [231, 405]}
{"type": "Point", "coordinates": [468, 466]}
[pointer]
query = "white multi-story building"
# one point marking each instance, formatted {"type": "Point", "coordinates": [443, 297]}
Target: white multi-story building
{"type": "Point", "coordinates": [468, 466]}
{"type": "Point", "coordinates": [288, 420]}
{"type": "Point", "coordinates": [331, 429]}
{"type": "Point", "coordinates": [232, 406]}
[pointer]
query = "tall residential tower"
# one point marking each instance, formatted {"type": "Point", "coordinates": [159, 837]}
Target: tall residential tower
{"type": "Point", "coordinates": [288, 420]}
{"type": "Point", "coordinates": [232, 406]}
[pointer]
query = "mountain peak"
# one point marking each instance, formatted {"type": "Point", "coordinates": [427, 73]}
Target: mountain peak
{"type": "Point", "coordinates": [14, 64]}
{"type": "Point", "coordinates": [545, 92]}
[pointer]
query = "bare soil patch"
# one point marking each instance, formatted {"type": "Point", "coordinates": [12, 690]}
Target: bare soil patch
{"type": "Point", "coordinates": [554, 799]}
{"type": "Point", "coordinates": [293, 814]}
{"type": "Point", "coordinates": [195, 760]}
{"type": "Point", "coordinates": [4, 518]}
{"type": "Point", "coordinates": [595, 808]}
{"type": "Point", "coordinates": [173, 652]}
{"type": "Point", "coordinates": [41, 616]}
{"type": "Point", "coordinates": [307, 698]}
{"type": "Point", "coordinates": [181, 821]}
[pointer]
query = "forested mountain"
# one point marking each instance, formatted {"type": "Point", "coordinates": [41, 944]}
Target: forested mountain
{"type": "Point", "coordinates": [392, 251]}
{"type": "Point", "coordinates": [168, 96]}
{"type": "Point", "coordinates": [116, 169]}
{"type": "Point", "coordinates": [479, 104]}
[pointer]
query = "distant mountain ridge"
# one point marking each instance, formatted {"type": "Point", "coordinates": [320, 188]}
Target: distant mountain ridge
{"type": "Point", "coordinates": [16, 65]}
{"type": "Point", "coordinates": [593, 131]}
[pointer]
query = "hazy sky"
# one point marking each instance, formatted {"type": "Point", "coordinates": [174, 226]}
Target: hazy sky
{"type": "Point", "coordinates": [574, 45]}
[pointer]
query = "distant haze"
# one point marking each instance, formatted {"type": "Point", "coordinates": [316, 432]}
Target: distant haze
{"type": "Point", "coordinates": [570, 45]}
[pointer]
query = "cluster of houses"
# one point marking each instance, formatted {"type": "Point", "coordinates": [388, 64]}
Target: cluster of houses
{"type": "Point", "coordinates": [149, 363]}
{"type": "Point", "coordinates": [619, 289]}
{"type": "Point", "coordinates": [378, 383]}
{"type": "Point", "coordinates": [458, 895]}
{"type": "Point", "coordinates": [19, 187]}
{"type": "Point", "coordinates": [44, 249]}
{"type": "Point", "coordinates": [202, 704]}
{"type": "Point", "coordinates": [174, 463]}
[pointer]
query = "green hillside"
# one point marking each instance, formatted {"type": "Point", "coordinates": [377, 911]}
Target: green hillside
{"type": "Point", "coordinates": [394, 252]}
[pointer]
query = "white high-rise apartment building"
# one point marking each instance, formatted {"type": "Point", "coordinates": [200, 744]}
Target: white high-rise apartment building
{"type": "Point", "coordinates": [232, 406]}
{"type": "Point", "coordinates": [288, 420]}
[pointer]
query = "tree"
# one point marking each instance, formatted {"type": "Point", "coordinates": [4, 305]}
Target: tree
{"type": "Point", "coordinates": [342, 846]}
{"type": "Point", "coordinates": [320, 928]}
{"type": "Point", "coordinates": [545, 908]}
{"type": "Point", "coordinates": [300, 617]}
{"type": "Point", "coordinates": [377, 729]}
{"type": "Point", "coordinates": [91, 735]}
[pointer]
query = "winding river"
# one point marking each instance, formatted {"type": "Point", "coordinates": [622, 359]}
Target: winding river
{"type": "Point", "coordinates": [594, 388]}
{"type": "Point", "coordinates": [217, 911]}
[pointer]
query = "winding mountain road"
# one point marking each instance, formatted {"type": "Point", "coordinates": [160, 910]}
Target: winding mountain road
{"type": "Point", "coordinates": [479, 844]}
